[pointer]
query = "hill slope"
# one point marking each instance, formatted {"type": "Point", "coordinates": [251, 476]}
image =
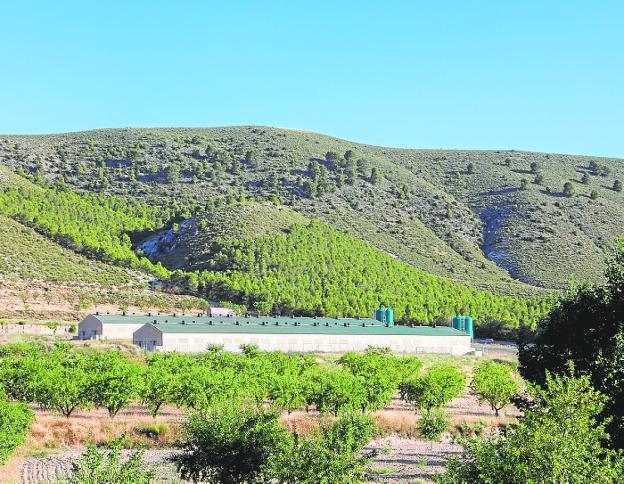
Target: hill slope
{"type": "Point", "coordinates": [457, 214]}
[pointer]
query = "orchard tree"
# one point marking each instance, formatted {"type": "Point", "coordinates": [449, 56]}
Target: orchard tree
{"type": "Point", "coordinates": [114, 380]}
{"type": "Point", "coordinates": [436, 388]}
{"type": "Point", "coordinates": [617, 186]}
{"type": "Point", "coordinates": [229, 443]}
{"type": "Point", "coordinates": [494, 383]}
{"type": "Point", "coordinates": [15, 420]}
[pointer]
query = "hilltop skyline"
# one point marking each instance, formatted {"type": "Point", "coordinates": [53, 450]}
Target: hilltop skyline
{"type": "Point", "coordinates": [530, 77]}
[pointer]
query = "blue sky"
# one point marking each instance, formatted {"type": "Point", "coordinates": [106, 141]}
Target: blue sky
{"type": "Point", "coordinates": [538, 75]}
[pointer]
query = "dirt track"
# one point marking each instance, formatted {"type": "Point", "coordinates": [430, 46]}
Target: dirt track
{"type": "Point", "coordinates": [408, 460]}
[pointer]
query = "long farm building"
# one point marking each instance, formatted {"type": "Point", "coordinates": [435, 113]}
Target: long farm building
{"type": "Point", "coordinates": [192, 334]}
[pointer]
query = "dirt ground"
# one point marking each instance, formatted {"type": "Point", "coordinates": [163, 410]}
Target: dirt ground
{"type": "Point", "coordinates": [54, 442]}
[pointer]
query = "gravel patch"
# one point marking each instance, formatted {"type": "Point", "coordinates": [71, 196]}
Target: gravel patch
{"type": "Point", "coordinates": [411, 459]}
{"type": "Point", "coordinates": [38, 470]}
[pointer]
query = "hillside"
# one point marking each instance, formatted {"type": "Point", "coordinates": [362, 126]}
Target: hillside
{"type": "Point", "coordinates": [458, 214]}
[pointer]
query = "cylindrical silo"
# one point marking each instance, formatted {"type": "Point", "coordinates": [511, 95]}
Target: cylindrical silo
{"type": "Point", "coordinates": [470, 326]}
{"type": "Point", "coordinates": [390, 316]}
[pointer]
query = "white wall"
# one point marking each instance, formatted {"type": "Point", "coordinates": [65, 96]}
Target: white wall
{"type": "Point", "coordinates": [197, 342]}
{"type": "Point", "coordinates": [119, 331]}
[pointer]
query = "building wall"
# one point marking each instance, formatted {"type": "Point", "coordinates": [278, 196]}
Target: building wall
{"type": "Point", "coordinates": [197, 342]}
{"type": "Point", "coordinates": [147, 337]}
{"type": "Point", "coordinates": [89, 328]}
{"type": "Point", "coordinates": [119, 331]}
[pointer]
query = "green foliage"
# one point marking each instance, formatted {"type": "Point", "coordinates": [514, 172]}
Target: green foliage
{"type": "Point", "coordinates": [87, 223]}
{"type": "Point", "coordinates": [557, 440]}
{"type": "Point", "coordinates": [332, 454]}
{"type": "Point", "coordinates": [411, 225]}
{"type": "Point", "coordinates": [586, 327]}
{"type": "Point", "coordinates": [15, 420]}
{"type": "Point", "coordinates": [433, 423]}
{"type": "Point", "coordinates": [229, 443]}
{"type": "Point", "coordinates": [568, 189]}
{"type": "Point", "coordinates": [316, 269]}
{"type": "Point", "coordinates": [106, 467]}
{"type": "Point", "coordinates": [436, 388]}
{"type": "Point", "coordinates": [494, 383]}
{"type": "Point", "coordinates": [113, 380]}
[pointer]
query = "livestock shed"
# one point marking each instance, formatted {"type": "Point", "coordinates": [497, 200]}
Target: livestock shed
{"type": "Point", "coordinates": [297, 335]}
{"type": "Point", "coordinates": [110, 326]}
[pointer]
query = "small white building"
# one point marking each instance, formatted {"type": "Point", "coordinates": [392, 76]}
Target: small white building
{"type": "Point", "coordinates": [109, 326]}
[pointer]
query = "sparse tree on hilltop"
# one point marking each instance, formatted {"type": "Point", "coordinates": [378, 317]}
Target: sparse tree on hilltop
{"type": "Point", "coordinates": [568, 189]}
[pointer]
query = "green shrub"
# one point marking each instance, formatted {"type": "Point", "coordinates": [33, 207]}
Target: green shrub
{"type": "Point", "coordinates": [105, 467]}
{"type": "Point", "coordinates": [15, 420]}
{"type": "Point", "coordinates": [433, 423]}
{"type": "Point", "coordinates": [558, 439]}
{"type": "Point", "coordinates": [229, 443]}
{"type": "Point", "coordinates": [332, 454]}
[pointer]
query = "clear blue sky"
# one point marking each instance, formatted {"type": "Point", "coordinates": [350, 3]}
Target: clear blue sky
{"type": "Point", "coordinates": [538, 75]}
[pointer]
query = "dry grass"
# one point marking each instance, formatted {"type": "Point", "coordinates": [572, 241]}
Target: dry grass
{"type": "Point", "coordinates": [51, 431]}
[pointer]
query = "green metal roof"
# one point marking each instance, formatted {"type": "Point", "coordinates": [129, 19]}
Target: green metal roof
{"type": "Point", "coordinates": [271, 325]}
{"type": "Point", "coordinates": [338, 329]}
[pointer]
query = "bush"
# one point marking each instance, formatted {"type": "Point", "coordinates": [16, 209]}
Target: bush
{"type": "Point", "coordinates": [558, 440]}
{"type": "Point", "coordinates": [15, 420]}
{"type": "Point", "coordinates": [101, 467]}
{"type": "Point", "coordinates": [229, 443]}
{"type": "Point", "coordinates": [332, 454]}
{"type": "Point", "coordinates": [433, 423]}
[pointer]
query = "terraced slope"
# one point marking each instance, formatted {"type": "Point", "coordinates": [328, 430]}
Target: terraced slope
{"type": "Point", "coordinates": [465, 215]}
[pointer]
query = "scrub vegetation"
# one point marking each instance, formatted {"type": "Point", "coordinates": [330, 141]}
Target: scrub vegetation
{"type": "Point", "coordinates": [437, 210]}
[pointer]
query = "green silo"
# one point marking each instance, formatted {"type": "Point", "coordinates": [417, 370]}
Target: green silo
{"type": "Point", "coordinates": [470, 327]}
{"type": "Point", "coordinates": [456, 322]}
{"type": "Point", "coordinates": [390, 317]}
{"type": "Point", "coordinates": [380, 314]}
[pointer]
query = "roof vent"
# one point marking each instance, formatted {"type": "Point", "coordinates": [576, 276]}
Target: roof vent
{"type": "Point", "coordinates": [237, 323]}
{"type": "Point", "coordinates": [107, 312]}
{"type": "Point", "coordinates": [276, 323]}
{"type": "Point", "coordinates": [166, 320]}
{"type": "Point", "coordinates": [296, 323]}
{"type": "Point", "coordinates": [149, 314]}
{"type": "Point", "coordinates": [155, 321]}
{"type": "Point", "coordinates": [123, 313]}
{"type": "Point", "coordinates": [182, 322]}
{"type": "Point", "coordinates": [315, 317]}
{"type": "Point", "coordinates": [315, 323]}
{"type": "Point", "coordinates": [174, 315]}
{"type": "Point", "coordinates": [133, 313]}
{"type": "Point", "coordinates": [194, 321]}
{"type": "Point", "coordinates": [363, 325]}
{"type": "Point", "coordinates": [326, 324]}
{"type": "Point", "coordinates": [97, 313]}
{"type": "Point", "coordinates": [210, 323]}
